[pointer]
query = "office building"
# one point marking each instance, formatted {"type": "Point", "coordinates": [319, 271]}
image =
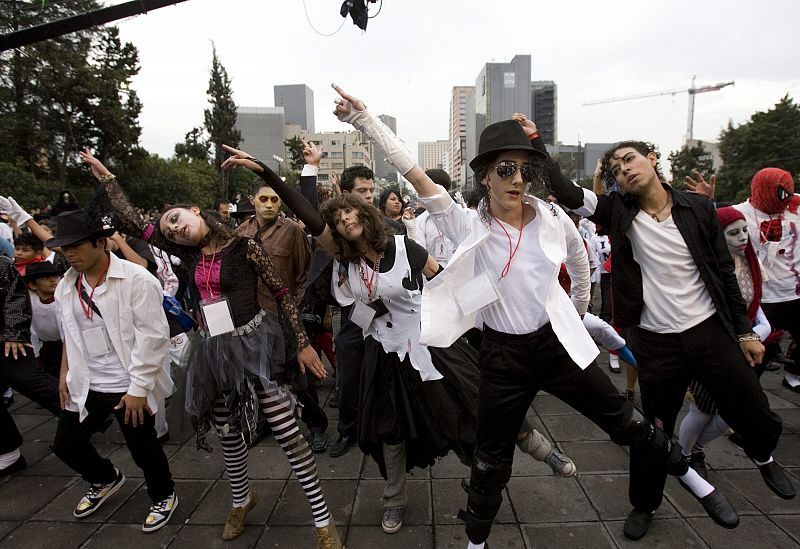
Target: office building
{"type": "Point", "coordinates": [297, 101]}
{"type": "Point", "coordinates": [433, 154]}
{"type": "Point", "coordinates": [544, 109]}
{"type": "Point", "coordinates": [457, 150]}
{"type": "Point", "coordinates": [262, 131]}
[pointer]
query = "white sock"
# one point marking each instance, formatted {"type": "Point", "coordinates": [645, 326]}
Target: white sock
{"type": "Point", "coordinates": [322, 523]}
{"type": "Point", "coordinates": [699, 486]}
{"type": "Point", "coordinates": [10, 392]}
{"type": "Point", "coordinates": [9, 458]}
{"type": "Point", "coordinates": [760, 463]}
{"type": "Point", "coordinates": [613, 361]}
{"type": "Point", "coordinates": [245, 502]}
{"type": "Point", "coordinates": [471, 545]}
{"type": "Point", "coordinates": [791, 379]}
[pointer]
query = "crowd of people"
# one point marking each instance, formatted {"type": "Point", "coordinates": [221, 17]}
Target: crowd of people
{"type": "Point", "coordinates": [441, 323]}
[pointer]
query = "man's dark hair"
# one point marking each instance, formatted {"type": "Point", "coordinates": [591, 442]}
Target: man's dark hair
{"type": "Point", "coordinates": [348, 177]}
{"type": "Point", "coordinates": [26, 238]}
{"type": "Point", "coordinates": [642, 147]}
{"type": "Point", "coordinates": [440, 177]}
{"type": "Point", "coordinates": [473, 198]}
{"type": "Point", "coordinates": [218, 202]}
{"type": "Point", "coordinates": [257, 185]}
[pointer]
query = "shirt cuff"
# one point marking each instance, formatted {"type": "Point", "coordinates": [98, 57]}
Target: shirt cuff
{"type": "Point", "coordinates": [309, 169]}
{"type": "Point", "coordinates": [438, 202]}
{"type": "Point", "coordinates": [136, 391]}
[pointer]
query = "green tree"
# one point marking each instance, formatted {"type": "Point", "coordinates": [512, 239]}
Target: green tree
{"type": "Point", "coordinates": [58, 96]}
{"type": "Point", "coordinates": [194, 147]}
{"type": "Point", "coordinates": [688, 159]}
{"type": "Point", "coordinates": [768, 139]}
{"type": "Point", "coordinates": [220, 117]}
{"type": "Point", "coordinates": [295, 147]}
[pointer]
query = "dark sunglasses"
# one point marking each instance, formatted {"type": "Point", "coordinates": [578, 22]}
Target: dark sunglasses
{"type": "Point", "coordinates": [273, 199]}
{"type": "Point", "coordinates": [507, 168]}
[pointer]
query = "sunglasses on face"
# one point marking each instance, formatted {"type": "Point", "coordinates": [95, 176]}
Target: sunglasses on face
{"type": "Point", "coordinates": [265, 199]}
{"type": "Point", "coordinates": [507, 168]}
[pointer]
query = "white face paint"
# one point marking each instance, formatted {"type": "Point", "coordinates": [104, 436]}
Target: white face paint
{"type": "Point", "coordinates": [737, 237]}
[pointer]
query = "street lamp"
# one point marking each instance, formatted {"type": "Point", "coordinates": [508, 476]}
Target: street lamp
{"type": "Point", "coordinates": [279, 160]}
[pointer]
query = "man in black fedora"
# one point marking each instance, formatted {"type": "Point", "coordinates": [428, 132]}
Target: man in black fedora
{"type": "Point", "coordinates": [42, 279]}
{"type": "Point", "coordinates": [116, 342]}
{"type": "Point", "coordinates": [504, 277]}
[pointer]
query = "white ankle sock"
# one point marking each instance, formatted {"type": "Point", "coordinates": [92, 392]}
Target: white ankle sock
{"type": "Point", "coordinates": [791, 379]}
{"type": "Point", "coordinates": [471, 545]}
{"type": "Point", "coordinates": [9, 458]}
{"type": "Point", "coordinates": [760, 463]}
{"type": "Point", "coordinates": [322, 523]}
{"type": "Point", "coordinates": [244, 503]}
{"type": "Point", "coordinates": [10, 392]}
{"type": "Point", "coordinates": [699, 486]}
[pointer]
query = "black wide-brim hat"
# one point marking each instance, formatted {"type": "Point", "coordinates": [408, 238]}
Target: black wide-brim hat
{"type": "Point", "coordinates": [507, 135]}
{"type": "Point", "coordinates": [41, 269]}
{"type": "Point", "coordinates": [72, 227]}
{"type": "Point", "coordinates": [244, 208]}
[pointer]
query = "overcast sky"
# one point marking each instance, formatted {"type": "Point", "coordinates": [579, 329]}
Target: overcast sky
{"type": "Point", "coordinates": [415, 51]}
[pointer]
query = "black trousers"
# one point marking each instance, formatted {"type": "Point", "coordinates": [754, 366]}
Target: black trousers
{"type": "Point", "coordinates": [666, 365]}
{"type": "Point", "coordinates": [23, 376]}
{"type": "Point", "coordinates": [73, 445]}
{"type": "Point", "coordinates": [516, 367]}
{"type": "Point", "coordinates": [786, 316]}
{"type": "Point", "coordinates": [50, 357]}
{"type": "Point", "coordinates": [605, 297]}
{"type": "Point", "coordinates": [349, 356]}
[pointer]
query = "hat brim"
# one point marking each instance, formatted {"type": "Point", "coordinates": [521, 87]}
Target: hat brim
{"type": "Point", "coordinates": [31, 277]}
{"type": "Point", "coordinates": [476, 162]}
{"type": "Point", "coordinates": [57, 242]}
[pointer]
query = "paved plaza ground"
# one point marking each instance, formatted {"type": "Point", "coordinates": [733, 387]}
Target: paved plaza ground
{"type": "Point", "coordinates": [539, 510]}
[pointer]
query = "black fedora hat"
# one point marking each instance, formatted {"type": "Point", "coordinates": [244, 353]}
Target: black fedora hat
{"type": "Point", "coordinates": [74, 226]}
{"type": "Point", "coordinates": [507, 135]}
{"type": "Point", "coordinates": [244, 208]}
{"type": "Point", "coordinates": [41, 269]}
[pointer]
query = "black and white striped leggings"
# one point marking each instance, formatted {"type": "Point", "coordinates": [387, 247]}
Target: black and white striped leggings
{"type": "Point", "coordinates": [276, 407]}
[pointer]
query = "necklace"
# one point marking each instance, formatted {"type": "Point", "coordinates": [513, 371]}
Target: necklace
{"type": "Point", "coordinates": [654, 215]}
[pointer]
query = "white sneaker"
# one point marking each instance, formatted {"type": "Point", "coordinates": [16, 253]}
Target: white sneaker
{"type": "Point", "coordinates": [160, 513]}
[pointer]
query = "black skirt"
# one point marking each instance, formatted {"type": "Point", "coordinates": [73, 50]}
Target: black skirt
{"type": "Point", "coordinates": [432, 417]}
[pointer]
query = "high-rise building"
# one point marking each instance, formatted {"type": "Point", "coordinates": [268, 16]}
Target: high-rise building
{"type": "Point", "coordinates": [384, 170]}
{"type": "Point", "coordinates": [433, 154]}
{"type": "Point", "coordinates": [262, 131]}
{"type": "Point", "coordinates": [297, 101]}
{"type": "Point", "coordinates": [501, 89]}
{"type": "Point", "coordinates": [456, 158]}
{"type": "Point", "coordinates": [342, 150]}
{"type": "Point", "coordinates": [544, 109]}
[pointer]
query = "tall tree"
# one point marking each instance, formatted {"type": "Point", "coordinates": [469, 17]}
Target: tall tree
{"type": "Point", "coordinates": [768, 139]}
{"type": "Point", "coordinates": [688, 159]}
{"type": "Point", "coordinates": [295, 147]}
{"type": "Point", "coordinates": [220, 117]}
{"type": "Point", "coordinates": [60, 95]}
{"type": "Point", "coordinates": [194, 147]}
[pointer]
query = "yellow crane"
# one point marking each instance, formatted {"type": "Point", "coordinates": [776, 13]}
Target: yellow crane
{"type": "Point", "coordinates": [692, 91]}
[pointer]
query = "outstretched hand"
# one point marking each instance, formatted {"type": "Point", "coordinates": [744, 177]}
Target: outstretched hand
{"type": "Point", "coordinates": [98, 170]}
{"type": "Point", "coordinates": [239, 158]}
{"type": "Point", "coordinates": [527, 125]}
{"type": "Point", "coordinates": [312, 153]}
{"type": "Point", "coordinates": [697, 184]}
{"type": "Point", "coordinates": [346, 105]}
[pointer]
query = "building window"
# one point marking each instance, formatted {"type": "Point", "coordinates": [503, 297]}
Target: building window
{"type": "Point", "coordinates": [336, 154]}
{"type": "Point", "coordinates": [357, 154]}
{"type": "Point", "coordinates": [334, 142]}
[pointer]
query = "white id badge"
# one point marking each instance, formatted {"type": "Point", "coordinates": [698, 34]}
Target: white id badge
{"type": "Point", "coordinates": [96, 341]}
{"type": "Point", "coordinates": [217, 316]}
{"type": "Point", "coordinates": [477, 294]}
{"type": "Point", "coordinates": [440, 249]}
{"type": "Point", "coordinates": [362, 314]}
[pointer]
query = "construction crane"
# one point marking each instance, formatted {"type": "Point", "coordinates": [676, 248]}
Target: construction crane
{"type": "Point", "coordinates": [692, 91]}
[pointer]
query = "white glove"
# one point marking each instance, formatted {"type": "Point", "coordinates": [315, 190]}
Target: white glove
{"type": "Point", "coordinates": [366, 122]}
{"type": "Point", "coordinates": [16, 212]}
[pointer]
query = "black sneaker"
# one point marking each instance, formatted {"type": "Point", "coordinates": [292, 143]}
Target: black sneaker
{"type": "Point", "coordinates": [318, 440]}
{"type": "Point", "coordinates": [96, 495]}
{"type": "Point", "coordinates": [160, 513]}
{"type": "Point", "coordinates": [637, 524]}
{"type": "Point", "coordinates": [342, 446]}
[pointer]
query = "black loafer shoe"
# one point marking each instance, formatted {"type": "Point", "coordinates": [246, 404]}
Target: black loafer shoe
{"type": "Point", "coordinates": [16, 467]}
{"type": "Point", "coordinates": [795, 389]}
{"type": "Point", "coordinates": [637, 524]}
{"type": "Point", "coordinates": [319, 442]}
{"type": "Point", "coordinates": [342, 446]}
{"type": "Point", "coordinates": [718, 507]}
{"type": "Point", "coordinates": [777, 480]}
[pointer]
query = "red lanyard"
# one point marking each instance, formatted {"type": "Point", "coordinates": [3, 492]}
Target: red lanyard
{"type": "Point", "coordinates": [88, 310]}
{"type": "Point", "coordinates": [511, 253]}
{"type": "Point", "coordinates": [207, 273]}
{"type": "Point", "coordinates": [368, 281]}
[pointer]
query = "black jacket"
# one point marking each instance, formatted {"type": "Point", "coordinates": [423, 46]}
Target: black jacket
{"type": "Point", "coordinates": [696, 219]}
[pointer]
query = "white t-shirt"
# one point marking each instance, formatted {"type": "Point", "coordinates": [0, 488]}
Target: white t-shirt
{"type": "Point", "coordinates": [107, 374]}
{"type": "Point", "coordinates": [602, 247]}
{"type": "Point", "coordinates": [431, 238]}
{"type": "Point", "coordinates": [524, 290]}
{"type": "Point", "coordinates": [44, 322]}
{"type": "Point", "coordinates": [675, 297]}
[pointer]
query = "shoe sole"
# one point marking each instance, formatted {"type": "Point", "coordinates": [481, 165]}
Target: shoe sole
{"type": "Point", "coordinates": [392, 530]}
{"type": "Point", "coordinates": [102, 501]}
{"type": "Point", "coordinates": [148, 529]}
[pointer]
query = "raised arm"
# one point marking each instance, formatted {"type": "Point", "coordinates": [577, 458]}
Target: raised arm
{"type": "Point", "coordinates": [111, 195]}
{"type": "Point", "coordinates": [295, 201]}
{"type": "Point", "coordinates": [352, 110]}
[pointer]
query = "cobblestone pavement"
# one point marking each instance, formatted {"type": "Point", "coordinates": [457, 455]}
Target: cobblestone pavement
{"type": "Point", "coordinates": [539, 510]}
